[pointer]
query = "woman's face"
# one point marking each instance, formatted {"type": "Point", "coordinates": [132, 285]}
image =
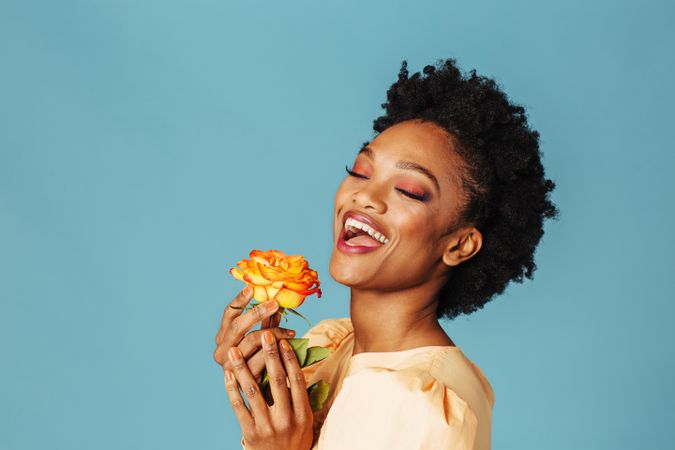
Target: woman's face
{"type": "Point", "coordinates": [412, 227]}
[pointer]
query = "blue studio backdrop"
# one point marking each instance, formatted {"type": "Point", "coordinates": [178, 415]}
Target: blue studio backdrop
{"type": "Point", "coordinates": [146, 147]}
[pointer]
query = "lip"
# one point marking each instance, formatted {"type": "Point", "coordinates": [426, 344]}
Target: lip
{"type": "Point", "coordinates": [357, 249]}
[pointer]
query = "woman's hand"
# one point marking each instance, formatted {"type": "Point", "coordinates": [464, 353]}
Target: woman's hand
{"type": "Point", "coordinates": [234, 325]}
{"type": "Point", "coordinates": [287, 424]}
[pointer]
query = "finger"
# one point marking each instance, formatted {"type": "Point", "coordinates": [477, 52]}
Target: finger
{"type": "Point", "coordinates": [251, 342]}
{"type": "Point", "coordinates": [237, 402]}
{"type": "Point", "coordinates": [256, 364]}
{"type": "Point", "coordinates": [276, 319]}
{"type": "Point", "coordinates": [268, 322]}
{"type": "Point", "coordinates": [242, 324]}
{"type": "Point", "coordinates": [296, 377]}
{"type": "Point", "coordinates": [240, 301]}
{"type": "Point", "coordinates": [277, 376]}
{"type": "Point", "coordinates": [249, 386]}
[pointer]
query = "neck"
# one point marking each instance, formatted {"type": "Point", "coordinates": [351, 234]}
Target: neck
{"type": "Point", "coordinates": [395, 321]}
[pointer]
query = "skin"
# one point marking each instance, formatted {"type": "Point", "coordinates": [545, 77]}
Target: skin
{"type": "Point", "coordinates": [394, 290]}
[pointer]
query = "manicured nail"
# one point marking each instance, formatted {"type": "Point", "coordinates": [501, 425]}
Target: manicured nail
{"type": "Point", "coordinates": [291, 332]}
{"type": "Point", "coordinates": [285, 345]}
{"type": "Point", "coordinates": [269, 337]}
{"type": "Point", "coordinates": [247, 290]}
{"type": "Point", "coordinates": [271, 305]}
{"type": "Point", "coordinates": [235, 354]}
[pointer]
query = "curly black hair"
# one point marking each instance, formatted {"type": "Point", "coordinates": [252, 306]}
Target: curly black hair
{"type": "Point", "coordinates": [506, 192]}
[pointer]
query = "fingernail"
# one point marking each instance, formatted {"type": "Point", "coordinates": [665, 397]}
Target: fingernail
{"type": "Point", "coordinates": [234, 353]}
{"type": "Point", "coordinates": [271, 305]}
{"type": "Point", "coordinates": [247, 290]}
{"type": "Point", "coordinates": [269, 337]}
{"type": "Point", "coordinates": [285, 345]}
{"type": "Point", "coordinates": [291, 332]}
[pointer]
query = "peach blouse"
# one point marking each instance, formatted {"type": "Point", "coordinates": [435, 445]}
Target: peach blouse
{"type": "Point", "coordinates": [424, 398]}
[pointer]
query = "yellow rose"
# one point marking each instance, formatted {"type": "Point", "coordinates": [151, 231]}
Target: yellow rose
{"type": "Point", "coordinates": [275, 276]}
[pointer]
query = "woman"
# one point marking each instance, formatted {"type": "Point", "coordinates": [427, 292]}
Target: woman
{"type": "Point", "coordinates": [438, 213]}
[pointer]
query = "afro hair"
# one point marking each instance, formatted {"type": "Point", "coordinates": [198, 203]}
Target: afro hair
{"type": "Point", "coordinates": [505, 189]}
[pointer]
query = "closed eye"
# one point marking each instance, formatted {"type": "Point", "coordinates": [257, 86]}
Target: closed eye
{"type": "Point", "coordinates": [354, 174]}
{"type": "Point", "coordinates": [421, 198]}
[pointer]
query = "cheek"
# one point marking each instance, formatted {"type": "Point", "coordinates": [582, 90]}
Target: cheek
{"type": "Point", "coordinates": [415, 228]}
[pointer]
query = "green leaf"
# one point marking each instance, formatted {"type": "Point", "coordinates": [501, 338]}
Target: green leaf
{"type": "Point", "coordinates": [318, 393]}
{"type": "Point", "coordinates": [300, 347]}
{"type": "Point", "coordinates": [316, 354]}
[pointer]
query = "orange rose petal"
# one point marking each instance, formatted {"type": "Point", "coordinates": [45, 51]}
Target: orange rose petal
{"type": "Point", "coordinates": [289, 299]}
{"type": "Point", "coordinates": [254, 278]}
{"type": "Point", "coordinates": [272, 274]}
{"type": "Point", "coordinates": [295, 286]}
{"type": "Point", "coordinates": [238, 274]}
{"type": "Point", "coordinates": [271, 291]}
{"type": "Point", "coordinates": [260, 294]}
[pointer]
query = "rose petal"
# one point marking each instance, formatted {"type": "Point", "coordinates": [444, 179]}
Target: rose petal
{"type": "Point", "coordinates": [289, 299]}
{"type": "Point", "coordinates": [236, 273]}
{"type": "Point", "coordinates": [271, 291]}
{"type": "Point", "coordinates": [260, 294]}
{"type": "Point", "coordinates": [272, 274]}
{"type": "Point", "coordinates": [254, 278]}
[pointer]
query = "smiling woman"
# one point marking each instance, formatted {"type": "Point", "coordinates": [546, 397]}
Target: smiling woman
{"type": "Point", "coordinates": [435, 217]}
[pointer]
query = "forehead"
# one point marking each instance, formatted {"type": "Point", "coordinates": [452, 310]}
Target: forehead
{"type": "Point", "coordinates": [424, 143]}
{"type": "Point", "coordinates": [420, 141]}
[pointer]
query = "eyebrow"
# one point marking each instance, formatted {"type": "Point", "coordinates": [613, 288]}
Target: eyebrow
{"type": "Point", "coordinates": [406, 165]}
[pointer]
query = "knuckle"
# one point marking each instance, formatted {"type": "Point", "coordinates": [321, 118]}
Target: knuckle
{"type": "Point", "coordinates": [259, 312]}
{"type": "Point", "coordinates": [235, 326]}
{"type": "Point", "coordinates": [251, 391]}
{"type": "Point", "coordinates": [288, 355]}
{"type": "Point", "coordinates": [251, 437]}
{"type": "Point", "coordinates": [266, 433]}
{"type": "Point", "coordinates": [279, 380]}
{"type": "Point", "coordinates": [237, 365]}
{"type": "Point", "coordinates": [246, 340]}
{"type": "Point", "coordinates": [299, 378]}
{"type": "Point", "coordinates": [216, 356]}
{"type": "Point", "coordinates": [284, 425]}
{"type": "Point", "coordinates": [272, 351]}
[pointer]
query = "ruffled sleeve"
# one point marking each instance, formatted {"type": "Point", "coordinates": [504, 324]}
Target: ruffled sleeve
{"type": "Point", "coordinates": [380, 409]}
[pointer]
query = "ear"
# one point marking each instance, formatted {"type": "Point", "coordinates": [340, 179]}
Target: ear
{"type": "Point", "coordinates": [463, 245]}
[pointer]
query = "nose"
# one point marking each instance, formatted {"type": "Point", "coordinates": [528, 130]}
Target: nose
{"type": "Point", "coordinates": [371, 196]}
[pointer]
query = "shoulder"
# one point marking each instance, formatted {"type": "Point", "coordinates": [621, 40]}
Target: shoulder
{"type": "Point", "coordinates": [456, 371]}
{"type": "Point", "coordinates": [329, 333]}
{"type": "Point", "coordinates": [403, 408]}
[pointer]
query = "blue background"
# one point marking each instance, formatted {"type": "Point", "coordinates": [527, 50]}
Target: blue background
{"type": "Point", "coordinates": [145, 147]}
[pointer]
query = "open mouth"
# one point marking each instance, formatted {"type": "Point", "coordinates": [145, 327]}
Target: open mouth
{"type": "Point", "coordinates": [357, 233]}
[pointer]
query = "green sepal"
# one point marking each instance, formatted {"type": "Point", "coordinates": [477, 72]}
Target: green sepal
{"type": "Point", "coordinates": [316, 354]}
{"type": "Point", "coordinates": [300, 315]}
{"type": "Point", "coordinates": [318, 393]}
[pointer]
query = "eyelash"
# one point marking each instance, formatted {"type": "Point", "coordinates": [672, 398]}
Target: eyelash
{"type": "Point", "coordinates": [404, 192]}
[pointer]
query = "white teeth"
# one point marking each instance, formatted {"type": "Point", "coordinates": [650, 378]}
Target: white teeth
{"type": "Point", "coordinates": [353, 223]}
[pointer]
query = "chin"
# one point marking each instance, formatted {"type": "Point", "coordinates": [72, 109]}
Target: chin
{"type": "Point", "coordinates": [345, 272]}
